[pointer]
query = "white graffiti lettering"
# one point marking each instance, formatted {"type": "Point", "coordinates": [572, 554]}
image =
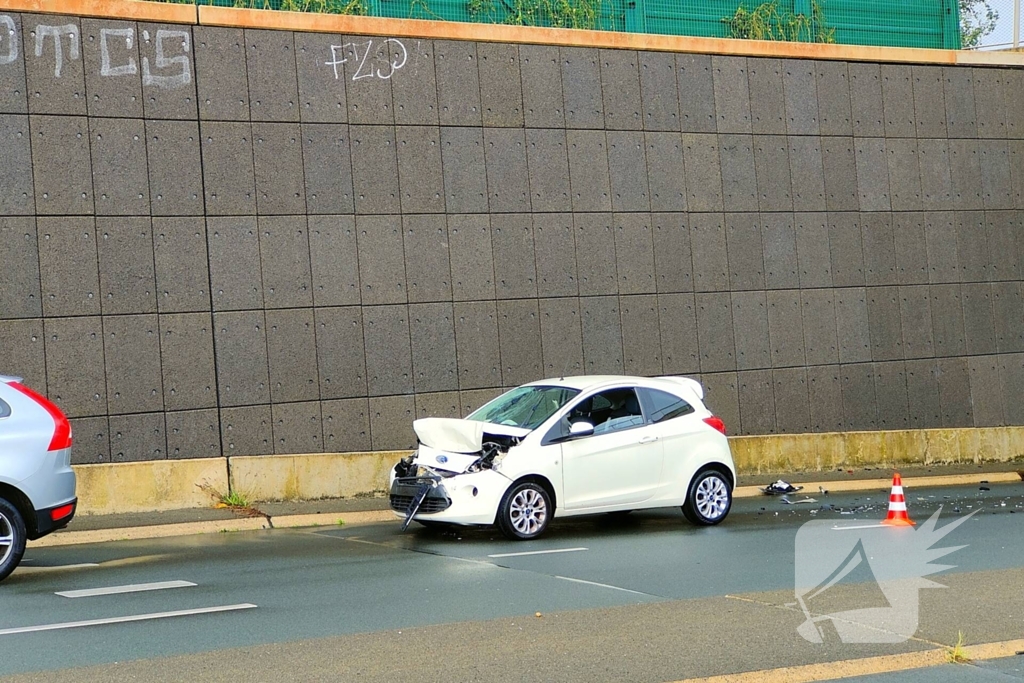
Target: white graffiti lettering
{"type": "Point", "coordinates": [8, 32]}
{"type": "Point", "coordinates": [42, 31]}
{"type": "Point", "coordinates": [163, 62]}
{"type": "Point", "coordinates": [125, 69]}
{"type": "Point", "coordinates": [395, 58]}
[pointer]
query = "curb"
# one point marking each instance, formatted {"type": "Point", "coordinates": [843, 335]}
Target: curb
{"type": "Point", "coordinates": [378, 516]}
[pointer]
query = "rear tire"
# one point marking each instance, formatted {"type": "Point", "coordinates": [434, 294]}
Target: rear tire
{"type": "Point", "coordinates": [525, 511]}
{"type": "Point", "coordinates": [12, 538]}
{"type": "Point", "coordinates": [709, 499]}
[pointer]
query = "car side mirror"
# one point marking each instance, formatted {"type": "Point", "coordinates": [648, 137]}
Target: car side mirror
{"type": "Point", "coordinates": [581, 429]}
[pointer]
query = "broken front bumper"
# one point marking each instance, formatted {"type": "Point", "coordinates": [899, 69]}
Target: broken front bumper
{"type": "Point", "coordinates": [405, 491]}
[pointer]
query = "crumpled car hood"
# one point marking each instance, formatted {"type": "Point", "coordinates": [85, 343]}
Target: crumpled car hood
{"type": "Point", "coordinates": [450, 434]}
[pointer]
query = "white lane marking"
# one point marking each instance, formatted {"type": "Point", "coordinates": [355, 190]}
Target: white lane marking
{"type": "Point", "coordinates": [863, 526]}
{"type": "Point", "coordinates": [599, 585]}
{"type": "Point", "coordinates": [130, 588]}
{"type": "Point", "coordinates": [538, 552]}
{"type": "Point", "coordinates": [55, 568]}
{"type": "Point", "coordinates": [124, 620]}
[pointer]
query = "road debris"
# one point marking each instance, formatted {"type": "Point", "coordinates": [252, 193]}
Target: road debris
{"type": "Point", "coordinates": [780, 487]}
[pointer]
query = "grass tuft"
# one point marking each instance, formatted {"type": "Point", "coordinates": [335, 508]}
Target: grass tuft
{"type": "Point", "coordinates": [958, 654]}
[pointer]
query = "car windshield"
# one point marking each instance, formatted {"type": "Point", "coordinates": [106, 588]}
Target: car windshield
{"type": "Point", "coordinates": [524, 407]}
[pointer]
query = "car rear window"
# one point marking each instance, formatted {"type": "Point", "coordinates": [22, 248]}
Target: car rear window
{"type": "Point", "coordinates": [5, 410]}
{"type": "Point", "coordinates": [665, 406]}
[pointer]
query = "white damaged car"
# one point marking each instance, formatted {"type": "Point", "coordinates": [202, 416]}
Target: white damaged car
{"type": "Point", "coordinates": [565, 447]}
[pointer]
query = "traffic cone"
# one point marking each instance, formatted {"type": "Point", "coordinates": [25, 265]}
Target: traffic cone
{"type": "Point", "coordinates": [897, 505]}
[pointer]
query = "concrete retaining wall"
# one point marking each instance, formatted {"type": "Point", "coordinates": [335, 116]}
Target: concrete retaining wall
{"type": "Point", "coordinates": [234, 241]}
{"type": "Point", "coordinates": [168, 485]}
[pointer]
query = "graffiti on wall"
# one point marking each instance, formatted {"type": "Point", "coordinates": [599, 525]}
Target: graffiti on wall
{"type": "Point", "coordinates": [171, 49]}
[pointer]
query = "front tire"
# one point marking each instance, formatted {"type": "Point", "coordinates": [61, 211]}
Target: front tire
{"type": "Point", "coordinates": [525, 511]}
{"type": "Point", "coordinates": [709, 499]}
{"type": "Point", "coordinates": [12, 538]}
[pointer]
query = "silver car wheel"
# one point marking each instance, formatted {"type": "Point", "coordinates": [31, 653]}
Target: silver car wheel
{"type": "Point", "coordinates": [712, 497]}
{"type": "Point", "coordinates": [528, 512]}
{"type": "Point", "coordinates": [6, 538]}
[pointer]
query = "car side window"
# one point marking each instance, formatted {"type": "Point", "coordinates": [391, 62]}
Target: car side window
{"type": "Point", "coordinates": [5, 410]}
{"type": "Point", "coordinates": [609, 411]}
{"type": "Point", "coordinates": [664, 406]}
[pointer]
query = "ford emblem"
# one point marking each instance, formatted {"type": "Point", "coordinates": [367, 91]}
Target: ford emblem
{"type": "Point", "coordinates": [442, 459]}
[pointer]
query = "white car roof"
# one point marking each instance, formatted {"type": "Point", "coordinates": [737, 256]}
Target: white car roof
{"type": "Point", "coordinates": [587, 382]}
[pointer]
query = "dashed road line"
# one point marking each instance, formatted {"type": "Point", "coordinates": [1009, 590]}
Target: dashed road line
{"type": "Point", "coordinates": [538, 552]}
{"type": "Point", "coordinates": [130, 588]}
{"type": "Point", "coordinates": [125, 620]}
{"type": "Point", "coordinates": [602, 585]}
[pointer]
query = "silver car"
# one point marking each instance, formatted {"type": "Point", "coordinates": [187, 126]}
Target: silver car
{"type": "Point", "coordinates": [37, 484]}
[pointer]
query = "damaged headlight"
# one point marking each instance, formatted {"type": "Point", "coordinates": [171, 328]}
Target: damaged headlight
{"type": "Point", "coordinates": [492, 455]}
{"type": "Point", "coordinates": [407, 467]}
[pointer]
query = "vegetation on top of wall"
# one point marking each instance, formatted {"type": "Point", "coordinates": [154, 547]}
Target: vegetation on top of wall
{"type": "Point", "coordinates": [583, 14]}
{"type": "Point", "coordinates": [766, 22]}
{"type": "Point", "coordinates": [352, 7]}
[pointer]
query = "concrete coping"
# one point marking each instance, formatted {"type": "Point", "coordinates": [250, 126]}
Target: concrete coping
{"type": "Point", "coordinates": [141, 10]}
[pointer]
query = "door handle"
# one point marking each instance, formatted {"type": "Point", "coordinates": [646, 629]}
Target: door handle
{"type": "Point", "coordinates": [649, 439]}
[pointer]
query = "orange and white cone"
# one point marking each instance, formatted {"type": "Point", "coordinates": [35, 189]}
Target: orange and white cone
{"type": "Point", "coordinates": [897, 505]}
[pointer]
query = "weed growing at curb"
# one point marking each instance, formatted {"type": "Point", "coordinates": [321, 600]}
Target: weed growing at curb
{"type": "Point", "coordinates": [958, 654]}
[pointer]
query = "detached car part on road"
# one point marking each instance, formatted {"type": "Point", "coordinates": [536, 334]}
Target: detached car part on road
{"type": "Point", "coordinates": [565, 447]}
{"type": "Point", "coordinates": [37, 484]}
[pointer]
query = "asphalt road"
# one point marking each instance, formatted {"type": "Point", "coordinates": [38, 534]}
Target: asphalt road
{"type": "Point", "coordinates": [642, 598]}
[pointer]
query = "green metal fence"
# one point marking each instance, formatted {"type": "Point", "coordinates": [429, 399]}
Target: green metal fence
{"type": "Point", "coordinates": [907, 23]}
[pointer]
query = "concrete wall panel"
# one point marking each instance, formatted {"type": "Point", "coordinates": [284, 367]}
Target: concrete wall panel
{"type": "Point", "coordinates": [119, 174]}
{"type": "Point", "coordinates": [458, 83]}
{"type": "Point", "coordinates": [710, 253]}
{"type": "Point", "coordinates": [374, 169]}
{"type": "Point", "coordinates": [834, 111]}
{"type": "Point", "coordinates": [634, 253]}
{"type": "Point", "coordinates": [419, 169]}
{"type": "Point", "coordinates": [388, 351]}
{"type": "Point", "coordinates": [911, 244]}
{"type": "Point", "coordinates": [548, 159]}
{"type": "Point", "coordinates": [297, 427]}
{"type": "Point", "coordinates": [234, 248]}
{"type": "Point", "coordinates": [673, 259]}
{"type": "Point", "coordinates": [56, 79]}
{"type": "Point", "coordinates": [381, 260]}
{"type": "Point", "coordinates": [126, 265]}
{"type": "Point", "coordinates": [588, 170]}
{"type": "Point", "coordinates": [677, 320]}
{"type": "Point", "coordinates": [334, 260]}
{"type": "Point", "coordinates": [247, 430]}
{"type": "Point", "coordinates": [175, 168]}
{"type": "Point", "coordinates": [75, 378]}
{"type": "Point", "coordinates": [696, 93]}
{"type": "Point", "coordinates": [240, 340]}
{"type": "Point", "coordinates": [767, 97]}
{"type": "Point", "coordinates": [476, 343]}
{"type": "Point", "coordinates": [665, 174]}
{"type": "Point", "coordinates": [739, 178]}
{"type": "Point", "coordinates": [515, 267]}
{"type": "Point", "coordinates": [291, 355]}
{"type": "Point", "coordinates": [541, 70]}
{"type": "Point", "coordinates": [620, 87]}
{"type": "Point", "coordinates": [555, 251]}
{"type": "Point", "coordinates": [20, 297]}
{"type": "Point", "coordinates": [750, 321]}
{"type": "Point", "coordinates": [61, 165]}
{"type": "Point", "coordinates": [462, 157]}
{"type": "Point", "coordinates": [732, 94]}
{"type": "Point", "coordinates": [627, 169]}
{"type": "Point", "coordinates": [520, 342]}
{"type": "Point", "coordinates": [658, 91]}
{"type": "Point", "coordinates": [501, 91]}
{"type": "Point", "coordinates": [278, 163]}
{"type": "Point", "coordinates": [131, 355]}
{"type": "Point", "coordinates": [187, 362]}
{"type": "Point", "coordinates": [220, 56]}
{"type": "Point", "coordinates": [341, 355]}
{"type": "Point", "coordinates": [320, 84]}
{"type": "Point", "coordinates": [16, 174]}
{"type": "Point", "coordinates": [327, 168]}
{"type": "Point", "coordinates": [427, 264]}
{"type": "Point", "coordinates": [68, 267]}
{"type": "Point", "coordinates": [13, 89]}
{"type": "Point", "coordinates": [581, 87]}
{"type": "Point", "coordinates": [793, 415]}
{"type": "Point", "coordinates": [799, 81]}
{"type": "Point", "coordinates": [561, 336]}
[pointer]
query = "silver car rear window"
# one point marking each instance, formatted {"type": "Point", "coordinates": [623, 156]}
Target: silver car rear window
{"type": "Point", "coordinates": [5, 410]}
